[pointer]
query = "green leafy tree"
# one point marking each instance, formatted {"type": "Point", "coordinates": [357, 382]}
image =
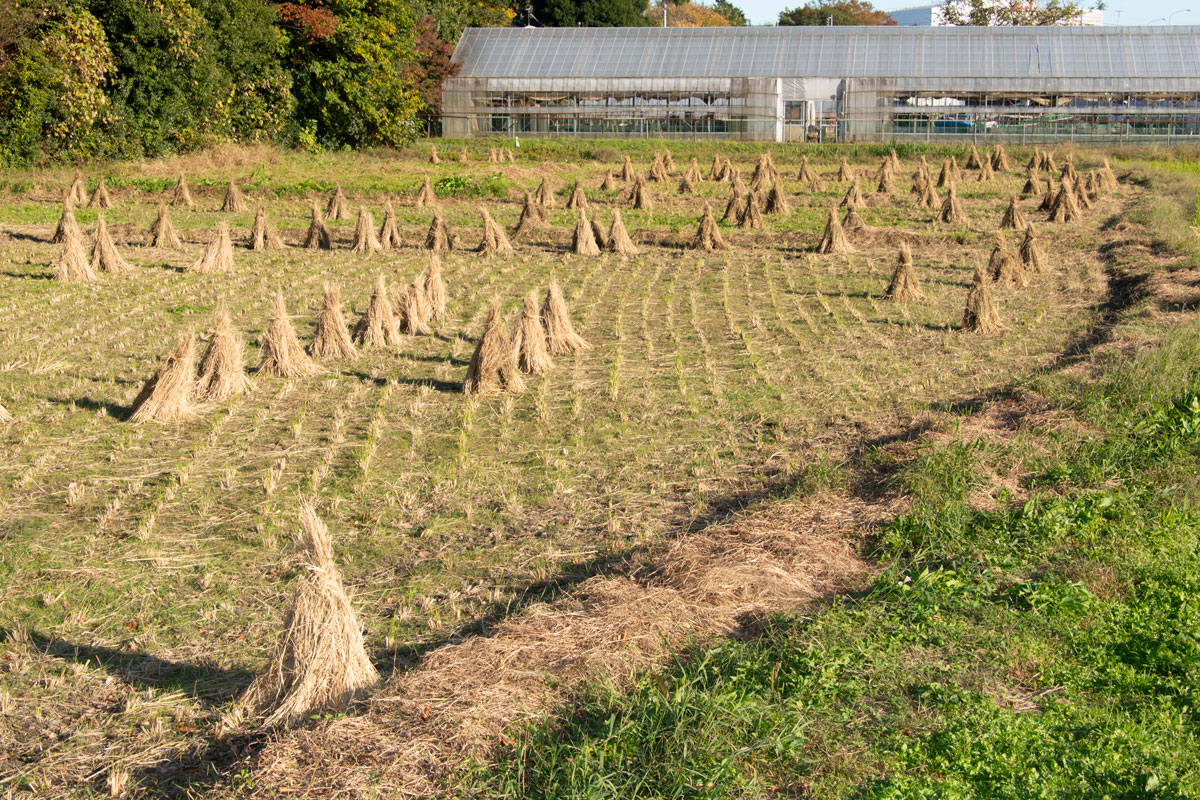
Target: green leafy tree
{"type": "Point", "coordinates": [989, 12]}
{"type": "Point", "coordinates": [450, 17]}
{"type": "Point", "coordinates": [589, 13]}
{"type": "Point", "coordinates": [843, 12]}
{"type": "Point", "coordinates": [733, 14]}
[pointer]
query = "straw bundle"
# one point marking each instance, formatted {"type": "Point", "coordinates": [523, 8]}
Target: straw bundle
{"type": "Point", "coordinates": [5, 417]}
{"type": "Point", "coordinates": [985, 172]}
{"type": "Point", "coordinates": [809, 175]}
{"type": "Point", "coordinates": [166, 397]}
{"type": "Point", "coordinates": [708, 236]}
{"type": "Point", "coordinates": [735, 207]}
{"type": "Point", "coordinates": [577, 200]}
{"type": "Point", "coordinates": [777, 201]}
{"type": "Point", "coordinates": [223, 368]}
{"type": "Point", "coordinates": [433, 156]}
{"type": "Point", "coordinates": [233, 202]}
{"type": "Point", "coordinates": [609, 184]}
{"type": "Point", "coordinates": [439, 239]}
{"type": "Point", "coordinates": [435, 289]}
{"type": "Point", "coordinates": [320, 663]}
{"type": "Point", "coordinates": [973, 160]}
{"type": "Point", "coordinates": [1064, 208]}
{"type": "Point", "coordinates": [162, 233]}
{"type": "Point", "coordinates": [561, 337]}
{"type": "Point", "coordinates": [413, 311]}
{"type": "Point", "coordinates": [1031, 183]}
{"type": "Point", "coordinates": [853, 197]}
{"type": "Point", "coordinates": [262, 232]}
{"type": "Point", "coordinates": [844, 172]}
{"type": "Point", "coordinates": [658, 172]}
{"type": "Point", "coordinates": [929, 196]}
{"type": "Point", "coordinates": [1031, 250]}
{"type": "Point", "coordinates": [182, 196]}
{"type": "Point", "coordinates": [338, 207]}
{"type": "Point", "coordinates": [282, 354]}
{"type": "Point", "coordinates": [495, 240]}
{"type": "Point", "coordinates": [318, 237]}
{"type": "Point", "coordinates": [1048, 198]}
{"type": "Point", "coordinates": [887, 182]}
{"type": "Point", "coordinates": [425, 195]}
{"type": "Point", "coordinates": [378, 326]}
{"type": "Point", "coordinates": [852, 222]}
{"type": "Point", "coordinates": [714, 172]}
{"type": "Point", "coordinates": [1006, 270]}
{"type": "Point", "coordinates": [389, 231]}
{"type": "Point", "coordinates": [583, 241]}
{"type": "Point", "coordinates": [895, 160]}
{"type": "Point", "coordinates": [218, 254]}
{"type": "Point", "coordinates": [946, 175]}
{"type": "Point", "coordinates": [1108, 178]}
{"type": "Point", "coordinates": [833, 240]}
{"type": "Point", "coordinates": [509, 156]}
{"type": "Point", "coordinates": [66, 224]}
{"type": "Point", "coordinates": [952, 209]}
{"type": "Point", "coordinates": [77, 192]}
{"type": "Point", "coordinates": [1081, 195]}
{"type": "Point", "coordinates": [544, 194]}
{"type": "Point", "coordinates": [462, 155]}
{"type": "Point", "coordinates": [365, 238]}
{"type": "Point", "coordinates": [904, 287]}
{"type": "Point", "coordinates": [493, 156]}
{"type": "Point", "coordinates": [331, 341]}
{"type": "Point", "coordinates": [1000, 162]}
{"type": "Point", "coordinates": [493, 368]}
{"type": "Point", "coordinates": [600, 234]}
{"type": "Point", "coordinates": [72, 264]}
{"type": "Point", "coordinates": [1013, 218]}
{"type": "Point", "coordinates": [693, 172]}
{"type": "Point", "coordinates": [639, 196]}
{"type": "Point", "coordinates": [530, 342]}
{"type": "Point", "coordinates": [668, 160]}
{"type": "Point", "coordinates": [751, 216]}
{"type": "Point", "coordinates": [100, 198]}
{"type": "Point", "coordinates": [627, 173]}
{"type": "Point", "coordinates": [686, 186]}
{"type": "Point", "coordinates": [104, 253]}
{"type": "Point", "coordinates": [533, 216]}
{"type": "Point", "coordinates": [618, 238]}
{"type": "Point", "coordinates": [979, 315]}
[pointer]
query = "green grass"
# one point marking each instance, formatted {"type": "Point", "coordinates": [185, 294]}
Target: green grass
{"type": "Point", "coordinates": [1045, 649]}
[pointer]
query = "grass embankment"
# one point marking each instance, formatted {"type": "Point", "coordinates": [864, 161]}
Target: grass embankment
{"type": "Point", "coordinates": [1047, 646]}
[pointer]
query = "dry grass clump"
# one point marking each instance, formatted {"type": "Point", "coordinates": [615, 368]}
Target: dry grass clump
{"type": "Point", "coordinates": [708, 235]}
{"type": "Point", "coordinates": [223, 368]}
{"type": "Point", "coordinates": [577, 200]}
{"type": "Point", "coordinates": [320, 663]}
{"type": "Point", "coordinates": [833, 240]}
{"type": "Point", "coordinates": [439, 239]}
{"type": "Point", "coordinates": [904, 287]}
{"type": "Point", "coordinates": [77, 191]}
{"type": "Point", "coordinates": [337, 207]}
{"type": "Point", "coordinates": [66, 224]}
{"type": "Point", "coordinates": [1013, 218]}
{"type": "Point", "coordinates": [282, 354]}
{"type": "Point", "coordinates": [378, 327]}
{"type": "Point", "coordinates": [182, 195]}
{"type": "Point", "coordinates": [530, 343]}
{"type": "Point", "coordinates": [318, 237]}
{"type": "Point", "coordinates": [495, 240]}
{"type": "Point", "coordinates": [544, 194]}
{"type": "Point", "coordinates": [425, 195]}
{"type": "Point", "coordinates": [777, 201]}
{"type": "Point", "coordinates": [1003, 264]}
{"type": "Point", "coordinates": [493, 368]}
{"type": "Point", "coordinates": [1031, 250]}
{"type": "Point", "coordinates": [751, 216]}
{"type": "Point", "coordinates": [853, 197]}
{"type": "Point", "coordinates": [167, 396]}
{"type": "Point", "coordinates": [389, 231]}
{"type": "Point", "coordinates": [844, 172]}
{"type": "Point", "coordinates": [583, 240]}
{"type": "Point", "coordinates": [332, 341]}
{"type": "Point", "coordinates": [218, 254]}
{"type": "Point", "coordinates": [639, 196]}
{"type": "Point", "coordinates": [533, 216]}
{"type": "Point", "coordinates": [618, 238]}
{"type": "Point", "coordinates": [980, 315]}
{"type": "Point", "coordinates": [234, 201]}
{"type": "Point", "coordinates": [435, 289]}
{"type": "Point", "coordinates": [72, 265]}
{"type": "Point", "coordinates": [413, 311]}
{"type": "Point", "coordinates": [1064, 208]}
{"type": "Point", "coordinates": [100, 198]}
{"type": "Point", "coordinates": [104, 253]}
{"type": "Point", "coordinates": [952, 209]}
{"type": "Point", "coordinates": [365, 238]}
{"type": "Point", "coordinates": [735, 207]}
{"type": "Point", "coordinates": [561, 337]}
{"type": "Point", "coordinates": [162, 233]}
{"type": "Point", "coordinates": [262, 232]}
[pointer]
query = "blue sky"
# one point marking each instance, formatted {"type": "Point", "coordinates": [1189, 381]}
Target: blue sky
{"type": "Point", "coordinates": [766, 12]}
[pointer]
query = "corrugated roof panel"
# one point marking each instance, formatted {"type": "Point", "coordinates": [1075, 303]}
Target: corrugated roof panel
{"type": "Point", "coordinates": [834, 52]}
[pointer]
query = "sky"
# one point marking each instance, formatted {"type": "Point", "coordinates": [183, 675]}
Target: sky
{"type": "Point", "coordinates": [1116, 12]}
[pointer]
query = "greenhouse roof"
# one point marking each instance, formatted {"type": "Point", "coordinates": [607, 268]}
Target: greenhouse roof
{"type": "Point", "coordinates": [834, 52]}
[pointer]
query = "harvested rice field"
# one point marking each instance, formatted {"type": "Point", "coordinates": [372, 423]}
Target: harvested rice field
{"type": "Point", "coordinates": [715, 448]}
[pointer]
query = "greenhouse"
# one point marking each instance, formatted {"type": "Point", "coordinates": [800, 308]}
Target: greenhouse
{"type": "Point", "coordinates": [1085, 84]}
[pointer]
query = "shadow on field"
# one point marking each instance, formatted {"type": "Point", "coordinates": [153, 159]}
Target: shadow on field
{"type": "Point", "coordinates": [212, 686]}
{"type": "Point", "coordinates": [35, 276]}
{"type": "Point", "coordinates": [450, 387]}
{"type": "Point", "coordinates": [112, 409]}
